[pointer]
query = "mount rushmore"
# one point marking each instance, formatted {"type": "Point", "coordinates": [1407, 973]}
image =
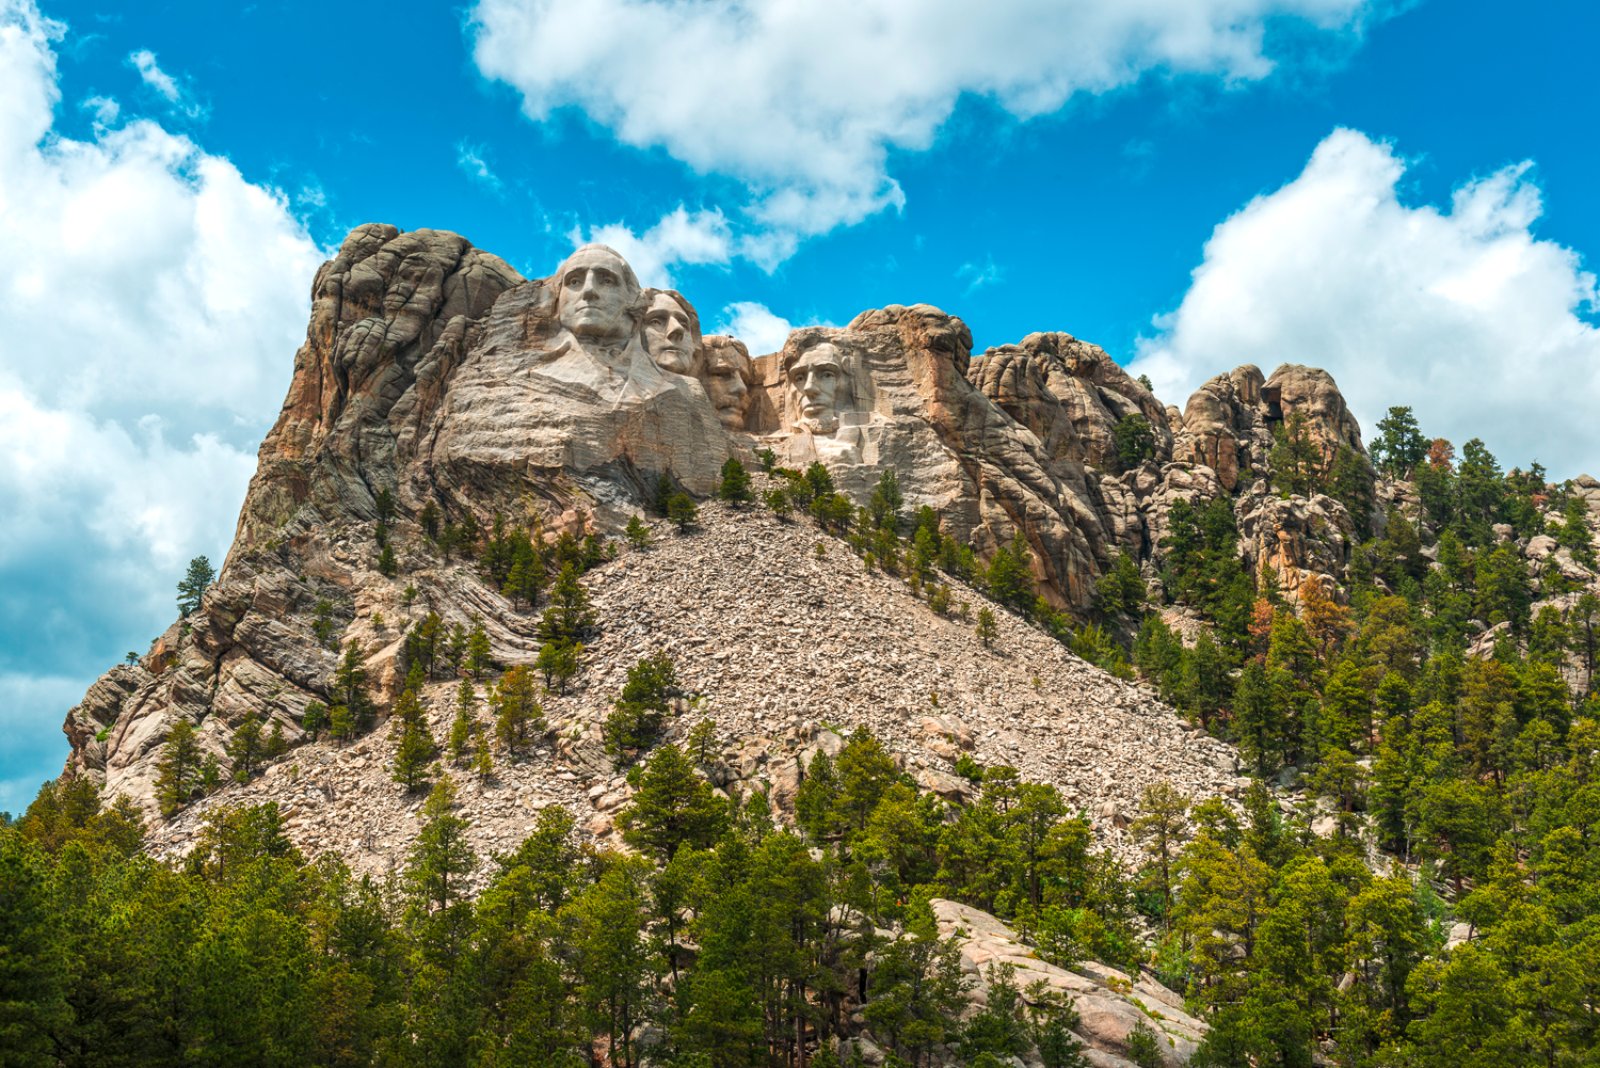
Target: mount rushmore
{"type": "Point", "coordinates": [438, 384]}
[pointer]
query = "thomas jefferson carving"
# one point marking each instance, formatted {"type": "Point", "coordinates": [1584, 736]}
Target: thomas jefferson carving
{"type": "Point", "coordinates": [671, 331]}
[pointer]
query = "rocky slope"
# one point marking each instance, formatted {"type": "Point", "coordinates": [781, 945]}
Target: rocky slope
{"type": "Point", "coordinates": [435, 378]}
{"type": "Point", "coordinates": [787, 652]}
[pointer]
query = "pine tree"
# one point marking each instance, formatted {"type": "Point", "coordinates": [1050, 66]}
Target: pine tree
{"type": "Point", "coordinates": [1160, 827]}
{"type": "Point", "coordinates": [682, 511]}
{"type": "Point", "coordinates": [277, 744]}
{"type": "Point", "coordinates": [637, 532]}
{"type": "Point", "coordinates": [1134, 441]}
{"type": "Point", "coordinates": [199, 576]}
{"type": "Point", "coordinates": [779, 501]}
{"type": "Point", "coordinates": [349, 690]}
{"type": "Point", "coordinates": [315, 719]}
{"type": "Point", "coordinates": [441, 859]}
{"type": "Point", "coordinates": [734, 485]}
{"type": "Point", "coordinates": [35, 974]}
{"type": "Point", "coordinates": [1399, 446]}
{"type": "Point", "coordinates": [702, 742]}
{"type": "Point", "coordinates": [884, 507]}
{"type": "Point", "coordinates": [246, 748]}
{"type": "Point", "coordinates": [323, 625]}
{"type": "Point", "coordinates": [569, 618]}
{"type": "Point", "coordinates": [483, 762]}
{"type": "Point", "coordinates": [1009, 578]}
{"type": "Point", "coordinates": [1121, 590]}
{"type": "Point", "coordinates": [1295, 462]}
{"type": "Point", "coordinates": [478, 653]}
{"type": "Point", "coordinates": [558, 662]}
{"type": "Point", "coordinates": [342, 723]}
{"type": "Point", "coordinates": [178, 772]}
{"type": "Point", "coordinates": [986, 628]}
{"type": "Point", "coordinates": [415, 749]}
{"type": "Point", "coordinates": [817, 799]}
{"type": "Point", "coordinates": [672, 807]}
{"type": "Point", "coordinates": [517, 712]}
{"type": "Point", "coordinates": [636, 718]}
{"type": "Point", "coordinates": [461, 727]}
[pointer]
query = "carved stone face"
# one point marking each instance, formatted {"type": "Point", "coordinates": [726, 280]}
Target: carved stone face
{"type": "Point", "coordinates": [669, 335]}
{"type": "Point", "coordinates": [596, 289]}
{"type": "Point", "coordinates": [814, 381]}
{"type": "Point", "coordinates": [725, 385]}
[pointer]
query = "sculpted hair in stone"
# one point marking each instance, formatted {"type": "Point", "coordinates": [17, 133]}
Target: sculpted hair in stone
{"type": "Point", "coordinates": [852, 391]}
{"type": "Point", "coordinates": [649, 297]}
{"type": "Point", "coordinates": [543, 321]}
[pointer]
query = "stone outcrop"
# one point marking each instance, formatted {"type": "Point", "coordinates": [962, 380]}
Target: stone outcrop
{"type": "Point", "coordinates": [900, 399]}
{"type": "Point", "coordinates": [1110, 1003]}
{"type": "Point", "coordinates": [1072, 395]}
{"type": "Point", "coordinates": [439, 387]}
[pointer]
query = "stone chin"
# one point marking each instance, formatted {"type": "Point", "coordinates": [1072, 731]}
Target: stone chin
{"type": "Point", "coordinates": [820, 423]}
{"type": "Point", "coordinates": [678, 361]}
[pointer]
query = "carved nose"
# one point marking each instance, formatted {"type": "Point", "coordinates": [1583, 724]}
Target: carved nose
{"type": "Point", "coordinates": [810, 388]}
{"type": "Point", "coordinates": [675, 333]}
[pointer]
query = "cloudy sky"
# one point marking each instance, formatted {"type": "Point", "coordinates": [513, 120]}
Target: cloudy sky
{"type": "Point", "coordinates": [1401, 192]}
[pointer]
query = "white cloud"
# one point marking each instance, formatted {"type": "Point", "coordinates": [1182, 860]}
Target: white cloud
{"type": "Point", "coordinates": [152, 299]}
{"type": "Point", "coordinates": [1463, 314]}
{"type": "Point", "coordinates": [756, 325]}
{"type": "Point", "coordinates": [978, 275]}
{"type": "Point", "coordinates": [104, 109]}
{"type": "Point", "coordinates": [164, 84]}
{"type": "Point", "coordinates": [680, 237]}
{"type": "Point", "coordinates": [803, 101]}
{"type": "Point", "coordinates": [470, 159]}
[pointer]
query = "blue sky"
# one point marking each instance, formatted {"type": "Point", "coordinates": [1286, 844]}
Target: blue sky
{"type": "Point", "coordinates": [1403, 193]}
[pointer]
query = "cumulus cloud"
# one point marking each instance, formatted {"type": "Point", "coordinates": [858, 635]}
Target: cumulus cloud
{"type": "Point", "coordinates": [1460, 312]}
{"type": "Point", "coordinates": [804, 102]}
{"type": "Point", "coordinates": [681, 237]}
{"type": "Point", "coordinates": [755, 324]}
{"type": "Point", "coordinates": [152, 299]}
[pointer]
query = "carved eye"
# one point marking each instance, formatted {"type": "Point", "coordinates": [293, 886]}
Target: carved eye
{"type": "Point", "coordinates": [604, 276]}
{"type": "Point", "coordinates": [573, 280]}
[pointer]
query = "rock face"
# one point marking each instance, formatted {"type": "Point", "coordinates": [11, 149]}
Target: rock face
{"type": "Point", "coordinates": [1071, 395]}
{"type": "Point", "coordinates": [439, 390]}
{"type": "Point", "coordinates": [890, 391]}
{"type": "Point", "coordinates": [1110, 1003]}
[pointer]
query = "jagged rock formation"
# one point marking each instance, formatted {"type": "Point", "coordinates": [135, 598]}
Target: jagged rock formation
{"type": "Point", "coordinates": [435, 378]}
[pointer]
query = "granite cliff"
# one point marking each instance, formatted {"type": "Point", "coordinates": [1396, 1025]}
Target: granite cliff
{"type": "Point", "coordinates": [436, 387]}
